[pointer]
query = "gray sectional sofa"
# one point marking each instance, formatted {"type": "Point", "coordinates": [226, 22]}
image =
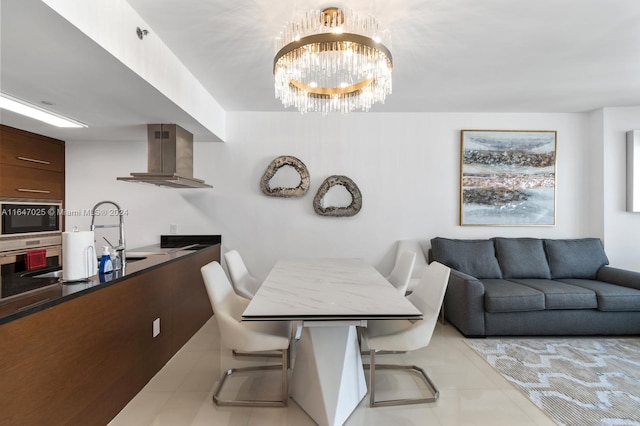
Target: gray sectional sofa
{"type": "Point", "coordinates": [529, 286]}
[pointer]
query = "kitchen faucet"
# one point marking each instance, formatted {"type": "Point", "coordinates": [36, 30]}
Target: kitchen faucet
{"type": "Point", "coordinates": [121, 247]}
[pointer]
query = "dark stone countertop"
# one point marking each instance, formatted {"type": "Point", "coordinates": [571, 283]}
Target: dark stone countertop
{"type": "Point", "coordinates": [36, 294]}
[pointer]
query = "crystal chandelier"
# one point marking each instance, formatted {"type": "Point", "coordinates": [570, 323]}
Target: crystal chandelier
{"type": "Point", "coordinates": [332, 61]}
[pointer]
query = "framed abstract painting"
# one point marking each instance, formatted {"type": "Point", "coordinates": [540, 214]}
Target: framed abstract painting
{"type": "Point", "coordinates": [508, 178]}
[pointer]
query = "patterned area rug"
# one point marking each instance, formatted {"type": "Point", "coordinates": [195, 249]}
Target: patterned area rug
{"type": "Point", "coordinates": [588, 381]}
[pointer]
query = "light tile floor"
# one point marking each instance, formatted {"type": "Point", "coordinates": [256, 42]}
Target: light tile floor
{"type": "Point", "coordinates": [471, 392]}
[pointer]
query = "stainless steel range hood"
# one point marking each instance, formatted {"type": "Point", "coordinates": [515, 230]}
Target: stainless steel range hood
{"type": "Point", "coordinates": [169, 158]}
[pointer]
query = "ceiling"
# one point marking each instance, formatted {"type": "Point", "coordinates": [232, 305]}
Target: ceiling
{"type": "Point", "coordinates": [449, 56]}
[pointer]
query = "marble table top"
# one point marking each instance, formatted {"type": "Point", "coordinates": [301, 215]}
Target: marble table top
{"type": "Point", "coordinates": [327, 289]}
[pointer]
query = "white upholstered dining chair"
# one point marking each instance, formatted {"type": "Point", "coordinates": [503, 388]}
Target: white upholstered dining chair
{"type": "Point", "coordinates": [401, 273]}
{"type": "Point", "coordinates": [405, 335]}
{"type": "Point", "coordinates": [247, 336]}
{"type": "Point", "coordinates": [243, 282]}
{"type": "Point", "coordinates": [420, 263]}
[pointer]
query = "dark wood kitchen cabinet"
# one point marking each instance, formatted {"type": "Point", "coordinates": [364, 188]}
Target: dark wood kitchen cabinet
{"type": "Point", "coordinates": [81, 361]}
{"type": "Point", "coordinates": [31, 165]}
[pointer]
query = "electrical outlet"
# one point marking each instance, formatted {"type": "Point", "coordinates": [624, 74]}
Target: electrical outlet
{"type": "Point", "coordinates": [173, 229]}
{"type": "Point", "coordinates": [156, 327]}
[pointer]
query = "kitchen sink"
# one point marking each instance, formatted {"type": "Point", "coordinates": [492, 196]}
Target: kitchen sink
{"type": "Point", "coordinates": [135, 258]}
{"type": "Point", "coordinates": [52, 274]}
{"type": "Point", "coordinates": [154, 250]}
{"type": "Point", "coordinates": [140, 254]}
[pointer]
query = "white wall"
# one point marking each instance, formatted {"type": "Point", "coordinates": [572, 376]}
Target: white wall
{"type": "Point", "coordinates": [406, 166]}
{"type": "Point", "coordinates": [91, 171]}
{"type": "Point", "coordinates": [621, 228]}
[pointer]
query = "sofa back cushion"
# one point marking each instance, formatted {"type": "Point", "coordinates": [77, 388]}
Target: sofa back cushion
{"type": "Point", "coordinates": [522, 258]}
{"type": "Point", "coordinates": [473, 257]}
{"type": "Point", "coordinates": [580, 258]}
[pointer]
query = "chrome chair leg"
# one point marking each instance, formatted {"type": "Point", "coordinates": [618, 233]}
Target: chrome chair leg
{"type": "Point", "coordinates": [266, 354]}
{"type": "Point", "coordinates": [283, 402]}
{"type": "Point", "coordinates": [404, 401]}
{"type": "Point", "coordinates": [365, 353]}
{"type": "Point", "coordinates": [238, 354]}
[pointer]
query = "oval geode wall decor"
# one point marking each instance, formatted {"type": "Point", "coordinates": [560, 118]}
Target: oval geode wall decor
{"type": "Point", "coordinates": [276, 164]}
{"type": "Point", "coordinates": [350, 186]}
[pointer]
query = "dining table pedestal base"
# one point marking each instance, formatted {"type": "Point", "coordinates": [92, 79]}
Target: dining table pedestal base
{"type": "Point", "coordinates": [328, 380]}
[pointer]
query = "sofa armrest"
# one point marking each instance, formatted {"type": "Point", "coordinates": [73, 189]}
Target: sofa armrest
{"type": "Point", "coordinates": [464, 303]}
{"type": "Point", "coordinates": [617, 276]}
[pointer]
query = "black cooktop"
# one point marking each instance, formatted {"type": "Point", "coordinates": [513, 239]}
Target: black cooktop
{"type": "Point", "coordinates": [175, 241]}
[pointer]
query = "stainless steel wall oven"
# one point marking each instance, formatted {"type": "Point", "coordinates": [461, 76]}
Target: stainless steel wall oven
{"type": "Point", "coordinates": [30, 229]}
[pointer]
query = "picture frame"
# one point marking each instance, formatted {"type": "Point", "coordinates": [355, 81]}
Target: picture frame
{"type": "Point", "coordinates": [508, 177]}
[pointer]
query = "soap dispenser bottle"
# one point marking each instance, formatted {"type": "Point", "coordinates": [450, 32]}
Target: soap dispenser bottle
{"type": "Point", "coordinates": [105, 266]}
{"type": "Point", "coordinates": [115, 260]}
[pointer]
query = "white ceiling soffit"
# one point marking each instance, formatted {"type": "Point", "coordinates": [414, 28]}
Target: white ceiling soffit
{"type": "Point", "coordinates": [46, 60]}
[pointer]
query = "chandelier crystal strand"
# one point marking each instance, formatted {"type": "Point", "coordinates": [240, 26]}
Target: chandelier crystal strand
{"type": "Point", "coordinates": [332, 61]}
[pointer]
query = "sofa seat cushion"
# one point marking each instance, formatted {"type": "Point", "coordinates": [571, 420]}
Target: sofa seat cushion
{"type": "Point", "coordinates": [472, 257]}
{"type": "Point", "coordinates": [522, 258]}
{"type": "Point", "coordinates": [560, 295]}
{"type": "Point", "coordinates": [507, 296]}
{"type": "Point", "coordinates": [611, 297]}
{"type": "Point", "coordinates": [579, 258]}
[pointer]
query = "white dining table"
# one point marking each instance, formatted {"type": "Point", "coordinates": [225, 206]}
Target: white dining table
{"type": "Point", "coordinates": [330, 297]}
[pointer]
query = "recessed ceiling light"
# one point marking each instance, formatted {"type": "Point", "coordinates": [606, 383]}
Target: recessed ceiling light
{"type": "Point", "coordinates": [24, 108]}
